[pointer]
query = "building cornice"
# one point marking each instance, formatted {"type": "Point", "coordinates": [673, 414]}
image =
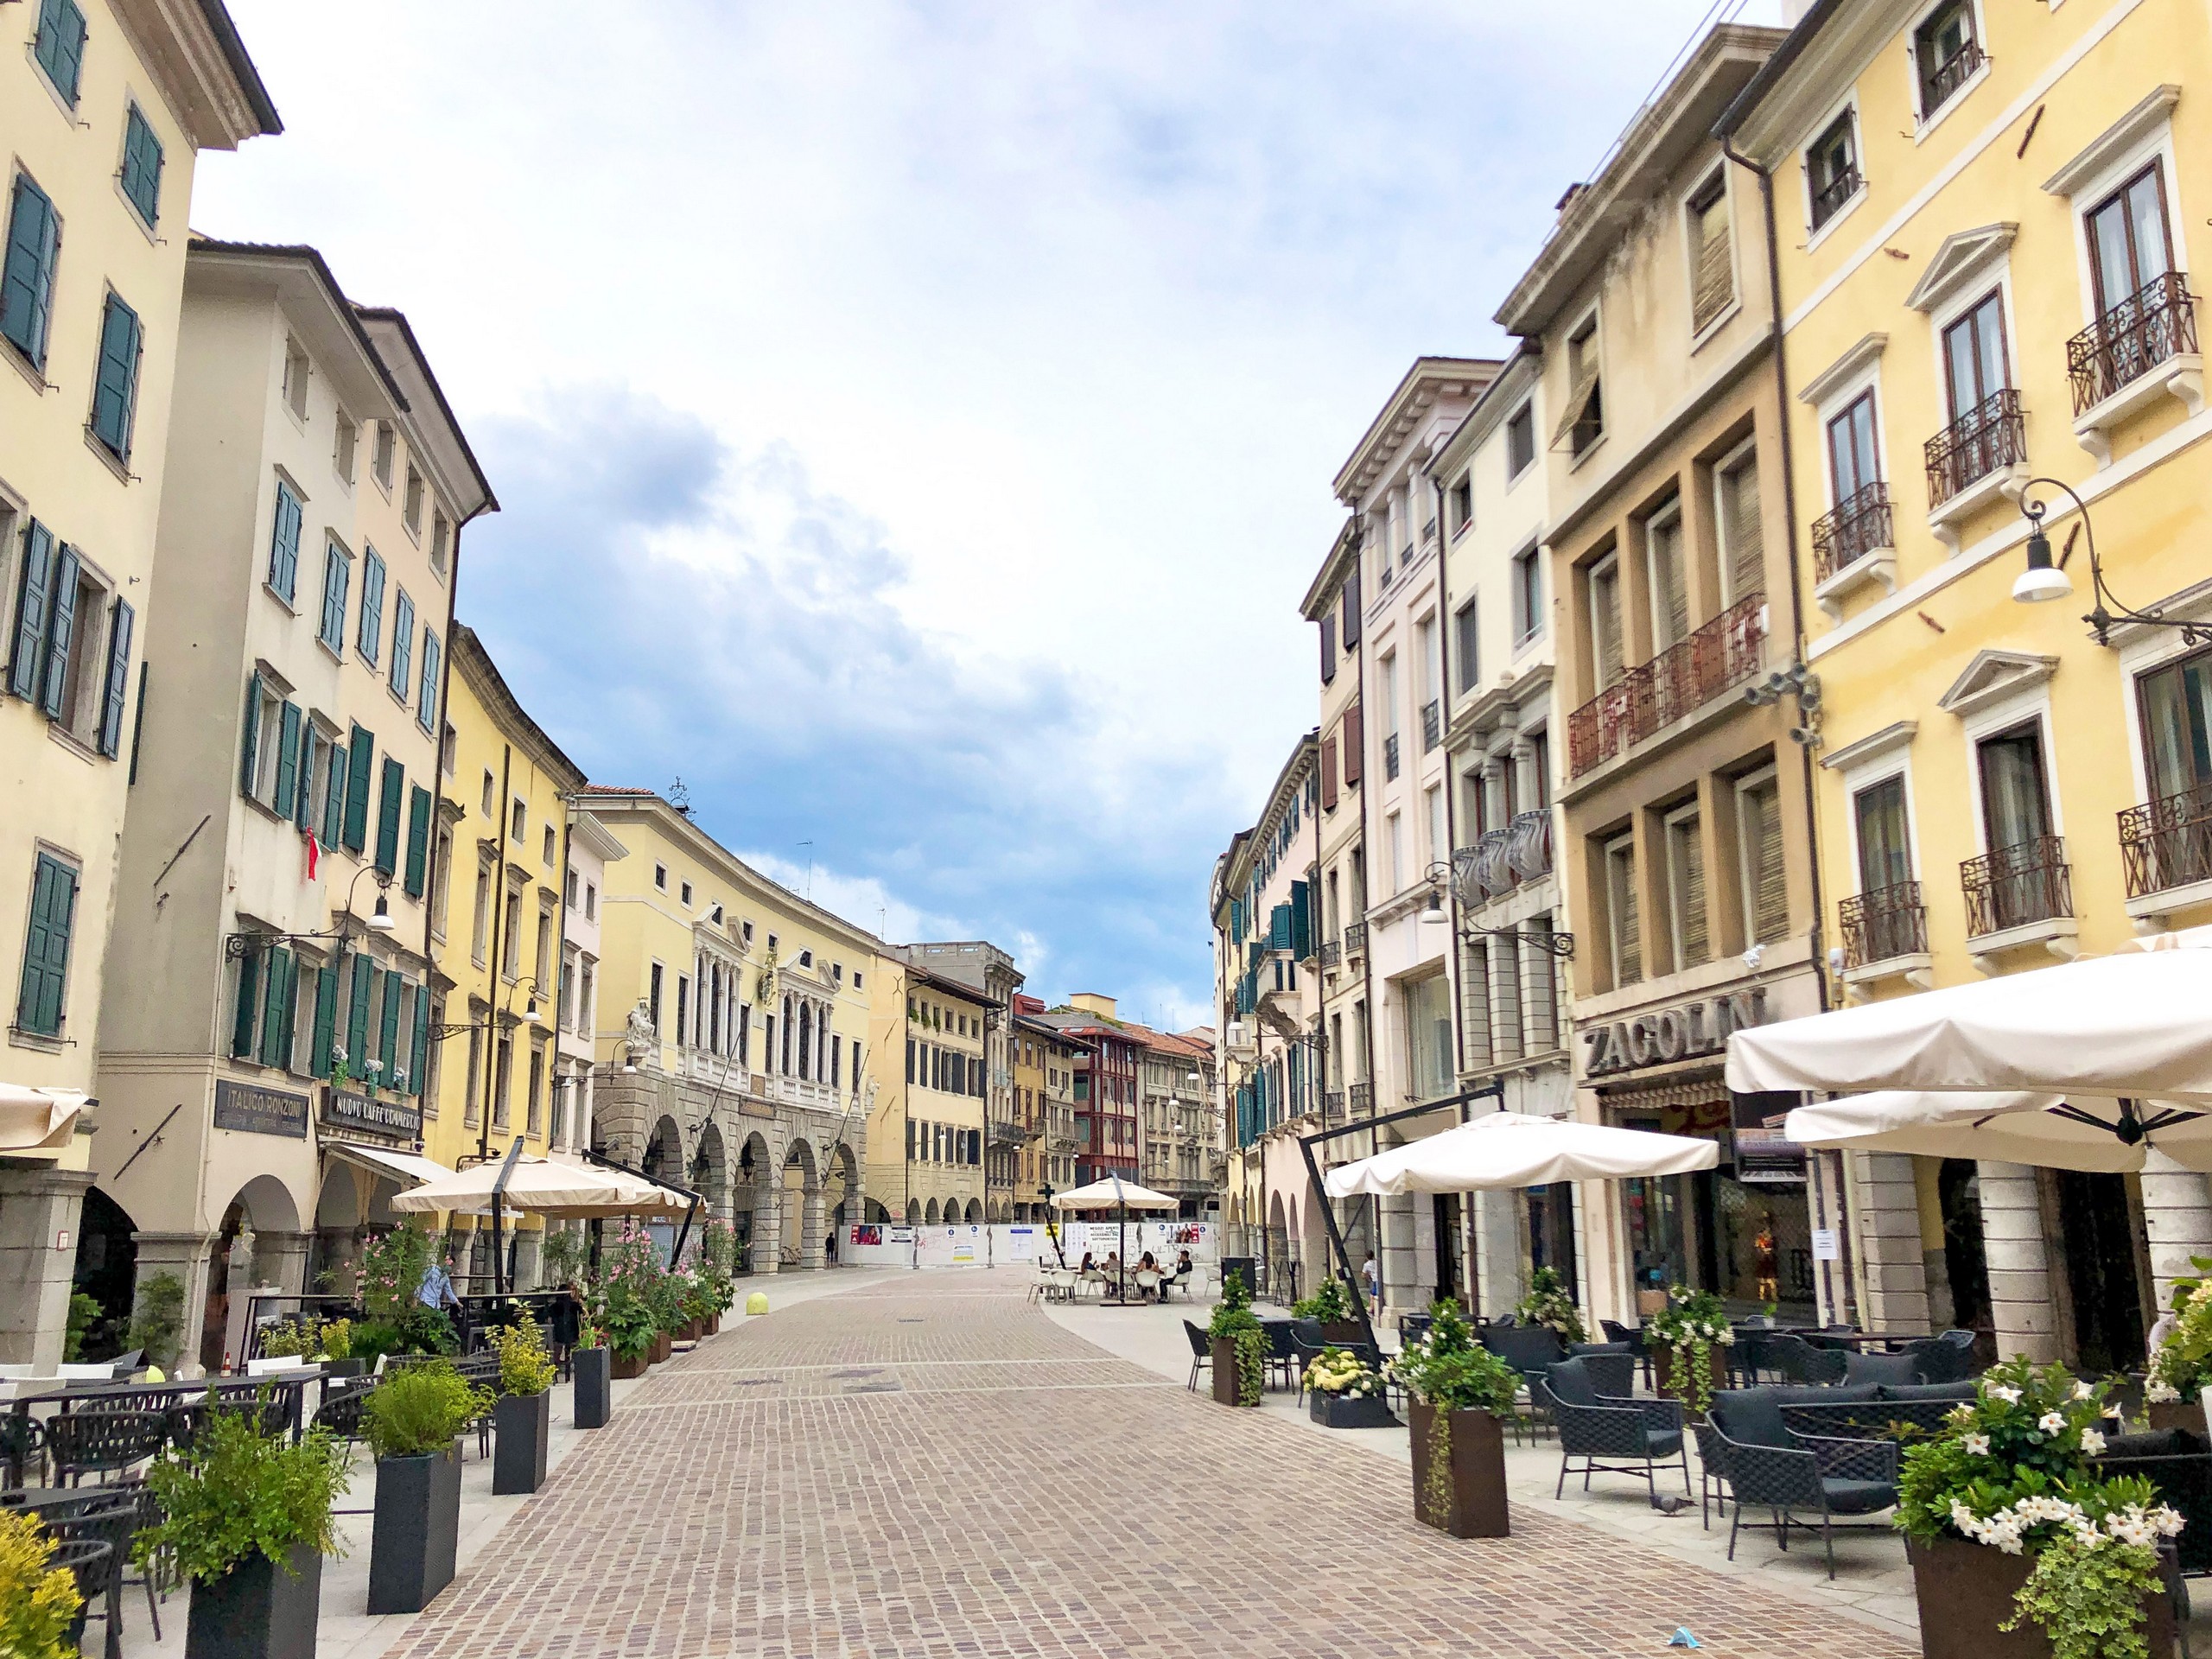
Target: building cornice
{"type": "Point", "coordinates": [1429, 380]}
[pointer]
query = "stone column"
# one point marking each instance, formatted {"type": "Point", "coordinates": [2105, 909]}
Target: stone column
{"type": "Point", "coordinates": [767, 1220]}
{"type": "Point", "coordinates": [281, 1259]}
{"type": "Point", "coordinates": [40, 1208]}
{"type": "Point", "coordinates": [2177, 1215]}
{"type": "Point", "coordinates": [1884, 1206]}
{"type": "Point", "coordinates": [814, 1224]}
{"type": "Point", "coordinates": [183, 1256]}
{"type": "Point", "coordinates": [530, 1244]}
{"type": "Point", "coordinates": [2019, 1262]}
{"type": "Point", "coordinates": [1498, 1252]}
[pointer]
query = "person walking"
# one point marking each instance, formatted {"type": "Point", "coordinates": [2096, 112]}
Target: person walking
{"type": "Point", "coordinates": [1372, 1284]}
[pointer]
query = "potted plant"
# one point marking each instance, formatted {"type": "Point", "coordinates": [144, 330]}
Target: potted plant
{"type": "Point", "coordinates": [1343, 1391]}
{"type": "Point", "coordinates": [2018, 1550]}
{"type": "Point", "coordinates": [697, 1299]}
{"type": "Point", "coordinates": [1547, 1304]}
{"type": "Point", "coordinates": [157, 1319]}
{"type": "Point", "coordinates": [412, 1422]}
{"type": "Point", "coordinates": [592, 1378]}
{"type": "Point", "coordinates": [722, 1257]}
{"type": "Point", "coordinates": [1334, 1305]}
{"type": "Point", "coordinates": [1684, 1340]}
{"type": "Point", "coordinates": [2182, 1368]}
{"type": "Point", "coordinates": [1240, 1346]}
{"type": "Point", "coordinates": [1458, 1390]}
{"type": "Point", "coordinates": [395, 1320]}
{"type": "Point", "coordinates": [246, 1517]}
{"type": "Point", "coordinates": [624, 1300]}
{"type": "Point", "coordinates": [523, 1419]}
{"type": "Point", "coordinates": [336, 1339]}
{"type": "Point", "coordinates": [40, 1607]}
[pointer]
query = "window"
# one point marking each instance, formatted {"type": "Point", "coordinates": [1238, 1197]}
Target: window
{"type": "Point", "coordinates": [27, 279]}
{"type": "Point", "coordinates": [369, 638]}
{"type": "Point", "coordinates": [859, 980]}
{"type": "Point", "coordinates": [390, 802]}
{"type": "Point", "coordinates": [380, 459]}
{"type": "Point", "coordinates": [1585, 420]}
{"type": "Point", "coordinates": [55, 656]}
{"type": "Point", "coordinates": [481, 935]}
{"type": "Point", "coordinates": [141, 166]}
{"type": "Point", "coordinates": [1521, 440]}
{"type": "Point", "coordinates": [1621, 920]}
{"type": "Point", "coordinates": [660, 877]}
{"type": "Point", "coordinates": [1713, 266]}
{"type": "Point", "coordinates": [1945, 54]}
{"type": "Point", "coordinates": [518, 821]}
{"type": "Point", "coordinates": [426, 706]}
{"type": "Point", "coordinates": [1462, 503]}
{"type": "Point", "coordinates": [1686, 888]}
{"type": "Point", "coordinates": [491, 792]}
{"type": "Point", "coordinates": [2129, 248]}
{"type": "Point", "coordinates": [2015, 803]}
{"type": "Point", "coordinates": [403, 646]}
{"type": "Point", "coordinates": [416, 879]}
{"type": "Point", "coordinates": [591, 907]}
{"type": "Point", "coordinates": [537, 1087]}
{"type": "Point", "coordinates": [542, 963]}
{"type": "Point", "coordinates": [1438, 836]}
{"type": "Point", "coordinates": [410, 511]}
{"type": "Point", "coordinates": [2175, 702]}
{"type": "Point", "coordinates": [1832, 168]}
{"type": "Point", "coordinates": [503, 1068]}
{"type": "Point", "coordinates": [41, 997]}
{"type": "Point", "coordinates": [1854, 461]}
{"type": "Point", "coordinates": [284, 543]}
{"type": "Point", "coordinates": [1742, 547]}
{"type": "Point", "coordinates": [1395, 840]}
{"type": "Point", "coordinates": [1528, 595]}
{"type": "Point", "coordinates": [59, 46]}
{"type": "Point", "coordinates": [683, 892]}
{"type": "Point", "coordinates": [114, 383]}
{"type": "Point", "coordinates": [1758, 841]}
{"type": "Point", "coordinates": [552, 847]}
{"type": "Point", "coordinates": [295, 379]}
{"type": "Point", "coordinates": [1667, 577]}
{"type": "Point", "coordinates": [1606, 655]}
{"type": "Point", "coordinates": [1885, 845]}
{"type": "Point", "coordinates": [441, 541]}
{"type": "Point", "coordinates": [1466, 646]}
{"type": "Point", "coordinates": [343, 450]}
{"type": "Point", "coordinates": [1974, 367]}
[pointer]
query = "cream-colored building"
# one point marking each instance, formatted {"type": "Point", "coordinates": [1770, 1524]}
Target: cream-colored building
{"type": "Point", "coordinates": [1176, 1118]}
{"type": "Point", "coordinates": [104, 109]}
{"type": "Point", "coordinates": [983, 967]}
{"type": "Point", "coordinates": [940, 1144]}
{"type": "Point", "coordinates": [1044, 1075]}
{"type": "Point", "coordinates": [267, 1035]}
{"type": "Point", "coordinates": [592, 847]}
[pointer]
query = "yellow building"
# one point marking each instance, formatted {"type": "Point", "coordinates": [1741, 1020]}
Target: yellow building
{"type": "Point", "coordinates": [102, 122]}
{"type": "Point", "coordinates": [1044, 1088]}
{"type": "Point", "coordinates": [499, 924]}
{"type": "Point", "coordinates": [945, 1079]}
{"type": "Point", "coordinates": [1982, 214]}
{"type": "Point", "coordinates": [735, 1047]}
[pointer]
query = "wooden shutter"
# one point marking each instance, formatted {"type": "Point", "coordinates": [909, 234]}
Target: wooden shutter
{"type": "Point", "coordinates": [326, 1020]}
{"type": "Point", "coordinates": [1354, 739]}
{"type": "Point", "coordinates": [1301, 920]}
{"type": "Point", "coordinates": [46, 947]}
{"type": "Point", "coordinates": [1770, 896]}
{"type": "Point", "coordinates": [61, 630]}
{"type": "Point", "coordinates": [1628, 933]}
{"type": "Point", "coordinates": [284, 543]}
{"type": "Point", "coordinates": [418, 839]}
{"type": "Point", "coordinates": [1351, 606]}
{"type": "Point", "coordinates": [337, 571]}
{"type": "Point", "coordinates": [141, 166]}
{"type": "Point", "coordinates": [1605, 623]}
{"type": "Point", "coordinates": [60, 45]}
{"type": "Point", "coordinates": [403, 644]}
{"type": "Point", "coordinates": [334, 797]}
{"type": "Point", "coordinates": [289, 732]}
{"type": "Point", "coordinates": [1329, 773]}
{"type": "Point", "coordinates": [388, 1033]}
{"type": "Point", "coordinates": [116, 382]}
{"type": "Point", "coordinates": [274, 992]}
{"type": "Point", "coordinates": [118, 678]}
{"type": "Point", "coordinates": [388, 805]}
{"type": "Point", "coordinates": [1328, 649]}
{"type": "Point", "coordinates": [418, 1058]}
{"type": "Point", "coordinates": [360, 771]}
{"type": "Point", "coordinates": [26, 666]}
{"type": "Point", "coordinates": [1715, 279]}
{"type": "Point", "coordinates": [1740, 523]}
{"type": "Point", "coordinates": [249, 1005]}
{"type": "Point", "coordinates": [357, 1014]}
{"type": "Point", "coordinates": [250, 744]}
{"type": "Point", "coordinates": [1669, 581]}
{"type": "Point", "coordinates": [1689, 867]}
{"type": "Point", "coordinates": [27, 286]}
{"type": "Point", "coordinates": [370, 639]}
{"type": "Point", "coordinates": [426, 710]}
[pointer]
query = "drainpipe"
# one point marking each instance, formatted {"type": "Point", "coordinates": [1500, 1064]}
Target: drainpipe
{"type": "Point", "coordinates": [1451, 959]}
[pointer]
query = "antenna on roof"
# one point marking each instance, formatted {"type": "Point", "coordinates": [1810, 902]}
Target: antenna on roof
{"type": "Point", "coordinates": [680, 798]}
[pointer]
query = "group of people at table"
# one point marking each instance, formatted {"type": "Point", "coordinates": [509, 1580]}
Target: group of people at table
{"type": "Point", "coordinates": [1150, 1278]}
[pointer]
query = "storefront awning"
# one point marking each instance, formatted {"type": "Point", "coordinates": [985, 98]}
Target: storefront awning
{"type": "Point", "coordinates": [38, 1123]}
{"type": "Point", "coordinates": [408, 1168]}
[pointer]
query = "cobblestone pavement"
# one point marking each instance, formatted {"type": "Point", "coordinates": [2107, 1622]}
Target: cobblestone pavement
{"type": "Point", "coordinates": [933, 1468]}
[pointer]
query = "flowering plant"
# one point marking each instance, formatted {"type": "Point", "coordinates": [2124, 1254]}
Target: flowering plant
{"type": "Point", "coordinates": [1331, 1302]}
{"type": "Point", "coordinates": [1340, 1371]}
{"type": "Point", "coordinates": [339, 1076]}
{"type": "Point", "coordinates": [2013, 1471]}
{"type": "Point", "coordinates": [1446, 1368]}
{"type": "Point", "coordinates": [1691, 1326]}
{"type": "Point", "coordinates": [1548, 1304]}
{"type": "Point", "coordinates": [2182, 1365]}
{"type": "Point", "coordinates": [625, 1298]}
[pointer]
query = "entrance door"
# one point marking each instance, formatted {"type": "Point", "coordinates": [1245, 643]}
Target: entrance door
{"type": "Point", "coordinates": [2097, 1243]}
{"type": "Point", "coordinates": [1958, 1191]}
{"type": "Point", "coordinates": [2016, 819]}
{"type": "Point", "coordinates": [1551, 1232]}
{"type": "Point", "coordinates": [1445, 1210]}
{"type": "Point", "coordinates": [2128, 248]}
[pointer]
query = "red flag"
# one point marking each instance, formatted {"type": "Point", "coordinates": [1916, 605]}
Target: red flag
{"type": "Point", "coordinates": [314, 851]}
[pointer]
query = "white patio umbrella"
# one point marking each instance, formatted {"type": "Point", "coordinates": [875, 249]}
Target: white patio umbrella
{"type": "Point", "coordinates": [2014, 1128]}
{"type": "Point", "coordinates": [2133, 1025]}
{"type": "Point", "coordinates": [1510, 1149]}
{"type": "Point", "coordinates": [543, 1187]}
{"type": "Point", "coordinates": [38, 1123]}
{"type": "Point", "coordinates": [1122, 1197]}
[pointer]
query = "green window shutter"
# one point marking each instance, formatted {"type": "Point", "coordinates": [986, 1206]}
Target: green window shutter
{"type": "Point", "coordinates": [426, 707]}
{"type": "Point", "coordinates": [306, 809]}
{"type": "Point", "coordinates": [357, 1014]}
{"type": "Point", "coordinates": [141, 166]}
{"type": "Point", "coordinates": [27, 664]}
{"type": "Point", "coordinates": [60, 45]}
{"type": "Point", "coordinates": [418, 1058]}
{"type": "Point", "coordinates": [118, 678]}
{"type": "Point", "coordinates": [395, 782]}
{"type": "Point", "coordinates": [249, 1004]}
{"type": "Point", "coordinates": [402, 643]}
{"type": "Point", "coordinates": [337, 571]}
{"type": "Point", "coordinates": [361, 758]}
{"type": "Point", "coordinates": [370, 639]}
{"type": "Point", "coordinates": [388, 1036]}
{"type": "Point", "coordinates": [249, 746]}
{"type": "Point", "coordinates": [272, 1007]}
{"type": "Point", "coordinates": [46, 947]}
{"type": "Point", "coordinates": [26, 280]}
{"type": "Point", "coordinates": [418, 839]}
{"type": "Point", "coordinates": [115, 384]}
{"type": "Point", "coordinates": [1301, 921]}
{"type": "Point", "coordinates": [284, 543]}
{"type": "Point", "coordinates": [60, 630]}
{"type": "Point", "coordinates": [334, 797]}
{"type": "Point", "coordinates": [289, 733]}
{"type": "Point", "coordinates": [326, 1020]}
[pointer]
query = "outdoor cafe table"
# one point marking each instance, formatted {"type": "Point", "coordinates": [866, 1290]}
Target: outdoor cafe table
{"type": "Point", "coordinates": [291, 1387]}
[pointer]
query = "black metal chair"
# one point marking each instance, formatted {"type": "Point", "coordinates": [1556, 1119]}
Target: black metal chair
{"type": "Point", "coordinates": [1201, 1353]}
{"type": "Point", "coordinates": [1633, 1336]}
{"type": "Point", "coordinates": [1531, 1350]}
{"type": "Point", "coordinates": [1797, 1361]}
{"type": "Point", "coordinates": [23, 1447]}
{"type": "Point", "coordinates": [187, 1417]}
{"type": "Point", "coordinates": [80, 1443]}
{"type": "Point", "coordinates": [1412, 1327]}
{"type": "Point", "coordinates": [1594, 1427]}
{"type": "Point", "coordinates": [1894, 1370]}
{"type": "Point", "coordinates": [1946, 1358]}
{"type": "Point", "coordinates": [1611, 1365]}
{"type": "Point", "coordinates": [1712, 1489]}
{"type": "Point", "coordinates": [1282, 1356]}
{"type": "Point", "coordinates": [1769, 1467]}
{"type": "Point", "coordinates": [112, 1518]}
{"type": "Point", "coordinates": [91, 1563]}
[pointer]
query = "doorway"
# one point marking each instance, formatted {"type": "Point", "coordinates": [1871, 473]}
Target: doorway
{"type": "Point", "coordinates": [1551, 1233]}
{"type": "Point", "coordinates": [1958, 1196]}
{"type": "Point", "coordinates": [2099, 1243]}
{"type": "Point", "coordinates": [1444, 1211]}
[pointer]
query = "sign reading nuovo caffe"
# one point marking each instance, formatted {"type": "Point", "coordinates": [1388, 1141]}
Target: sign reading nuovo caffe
{"type": "Point", "coordinates": [1686, 1032]}
{"type": "Point", "coordinates": [344, 1109]}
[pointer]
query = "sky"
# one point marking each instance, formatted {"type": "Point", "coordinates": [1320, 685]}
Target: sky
{"type": "Point", "coordinates": [913, 422]}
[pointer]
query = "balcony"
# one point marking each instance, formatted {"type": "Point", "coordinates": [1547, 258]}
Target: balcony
{"type": "Point", "coordinates": [1004, 1132]}
{"type": "Point", "coordinates": [1362, 1099]}
{"type": "Point", "coordinates": [2165, 846]}
{"type": "Point", "coordinates": [1355, 940]}
{"type": "Point", "coordinates": [1333, 1103]}
{"type": "Point", "coordinates": [1432, 726]}
{"type": "Point", "coordinates": [2016, 895]}
{"type": "Point", "coordinates": [1830, 199]}
{"type": "Point", "coordinates": [1980, 455]}
{"type": "Point", "coordinates": [1331, 954]}
{"type": "Point", "coordinates": [2143, 347]}
{"type": "Point", "coordinates": [1885, 935]}
{"type": "Point", "coordinates": [1529, 848]}
{"type": "Point", "coordinates": [1852, 542]}
{"type": "Point", "coordinates": [1493, 875]}
{"type": "Point", "coordinates": [1390, 757]}
{"type": "Point", "coordinates": [1682, 679]}
{"type": "Point", "coordinates": [1942, 83]}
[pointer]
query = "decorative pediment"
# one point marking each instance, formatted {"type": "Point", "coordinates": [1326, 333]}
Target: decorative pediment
{"type": "Point", "coordinates": [1868, 750]}
{"type": "Point", "coordinates": [2154, 111]}
{"type": "Point", "coordinates": [1840, 374]}
{"type": "Point", "coordinates": [1994, 676]}
{"type": "Point", "coordinates": [1964, 258]}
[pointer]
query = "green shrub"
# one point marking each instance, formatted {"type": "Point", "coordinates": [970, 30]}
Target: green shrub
{"type": "Point", "coordinates": [421, 1410]}
{"type": "Point", "coordinates": [1448, 1369]}
{"type": "Point", "coordinates": [36, 1601]}
{"type": "Point", "coordinates": [157, 1319]}
{"type": "Point", "coordinates": [525, 1366]}
{"type": "Point", "coordinates": [84, 1313]}
{"type": "Point", "coordinates": [235, 1491]}
{"type": "Point", "coordinates": [1548, 1304]}
{"type": "Point", "coordinates": [1331, 1302]}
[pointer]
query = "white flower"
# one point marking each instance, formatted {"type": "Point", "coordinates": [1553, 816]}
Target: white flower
{"type": "Point", "coordinates": [1999, 1391]}
{"type": "Point", "coordinates": [2051, 1423]}
{"type": "Point", "coordinates": [2093, 1443]}
{"type": "Point", "coordinates": [2167, 1520]}
{"type": "Point", "coordinates": [2082, 1391]}
{"type": "Point", "coordinates": [1977, 1446]}
{"type": "Point", "coordinates": [2160, 1393]}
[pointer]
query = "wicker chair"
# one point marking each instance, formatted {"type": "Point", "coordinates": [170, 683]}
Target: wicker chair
{"type": "Point", "coordinates": [22, 1444]}
{"type": "Point", "coordinates": [1612, 1367]}
{"type": "Point", "coordinates": [1833, 1478]}
{"type": "Point", "coordinates": [1201, 1352]}
{"type": "Point", "coordinates": [80, 1443]}
{"type": "Point", "coordinates": [1797, 1361]}
{"type": "Point", "coordinates": [1636, 1436]}
{"type": "Point", "coordinates": [1282, 1356]}
{"type": "Point", "coordinates": [1713, 1491]}
{"type": "Point", "coordinates": [112, 1518]}
{"type": "Point", "coordinates": [1531, 1350]}
{"type": "Point", "coordinates": [1894, 1369]}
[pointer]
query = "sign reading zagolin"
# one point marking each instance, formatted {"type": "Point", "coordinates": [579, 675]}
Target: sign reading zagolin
{"type": "Point", "coordinates": [342, 1110]}
{"type": "Point", "coordinates": [260, 1111]}
{"type": "Point", "coordinates": [1671, 1034]}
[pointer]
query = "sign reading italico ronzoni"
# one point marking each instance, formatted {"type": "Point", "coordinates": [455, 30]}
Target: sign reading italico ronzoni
{"type": "Point", "coordinates": [1678, 1033]}
{"type": "Point", "coordinates": [342, 1108]}
{"type": "Point", "coordinates": [260, 1111]}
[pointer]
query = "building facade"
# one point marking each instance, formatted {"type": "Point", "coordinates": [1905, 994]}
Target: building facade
{"type": "Point", "coordinates": [1043, 1065]}
{"type": "Point", "coordinates": [1983, 215]}
{"type": "Point", "coordinates": [592, 847]}
{"type": "Point", "coordinates": [947, 1091]}
{"type": "Point", "coordinates": [104, 109]}
{"type": "Point", "coordinates": [1104, 1087]}
{"type": "Point", "coordinates": [983, 967]}
{"type": "Point", "coordinates": [273, 1040]}
{"type": "Point", "coordinates": [1175, 1118]}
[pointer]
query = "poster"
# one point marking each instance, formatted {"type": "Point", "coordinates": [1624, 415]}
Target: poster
{"type": "Point", "coordinates": [1021, 1244]}
{"type": "Point", "coordinates": [901, 1235]}
{"type": "Point", "coordinates": [870, 1232]}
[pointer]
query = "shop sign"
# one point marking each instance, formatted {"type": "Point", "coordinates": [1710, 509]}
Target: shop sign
{"type": "Point", "coordinates": [260, 1111]}
{"type": "Point", "coordinates": [1678, 1033]}
{"type": "Point", "coordinates": [344, 1109]}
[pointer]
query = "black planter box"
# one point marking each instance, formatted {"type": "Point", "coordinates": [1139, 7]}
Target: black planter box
{"type": "Point", "coordinates": [594, 1388]}
{"type": "Point", "coordinates": [258, 1610]}
{"type": "Point", "coordinates": [522, 1424]}
{"type": "Point", "coordinates": [418, 1530]}
{"type": "Point", "coordinates": [1349, 1411]}
{"type": "Point", "coordinates": [336, 1367]}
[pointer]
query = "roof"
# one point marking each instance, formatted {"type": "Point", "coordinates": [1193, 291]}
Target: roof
{"type": "Point", "coordinates": [1038, 1024]}
{"type": "Point", "coordinates": [241, 66]}
{"type": "Point", "coordinates": [1429, 378]}
{"type": "Point", "coordinates": [447, 428]}
{"type": "Point", "coordinates": [1777, 65]}
{"type": "Point", "coordinates": [1523, 372]}
{"type": "Point", "coordinates": [205, 251]}
{"type": "Point", "coordinates": [1330, 575]}
{"type": "Point", "coordinates": [1168, 1042]}
{"type": "Point", "coordinates": [470, 656]}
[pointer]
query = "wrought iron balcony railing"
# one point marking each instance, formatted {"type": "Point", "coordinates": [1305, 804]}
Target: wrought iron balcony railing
{"type": "Point", "coordinates": [1882, 924]}
{"type": "Point", "coordinates": [1355, 940]}
{"type": "Point", "coordinates": [1331, 953]}
{"type": "Point", "coordinates": [1723, 654]}
{"type": "Point", "coordinates": [2013, 887]}
{"type": "Point", "coordinates": [1947, 76]}
{"type": "Point", "coordinates": [1853, 528]}
{"type": "Point", "coordinates": [1987, 438]}
{"type": "Point", "coordinates": [2167, 843]}
{"type": "Point", "coordinates": [1529, 853]}
{"type": "Point", "coordinates": [1829, 199]}
{"type": "Point", "coordinates": [1362, 1098]}
{"type": "Point", "coordinates": [1432, 726]}
{"type": "Point", "coordinates": [1390, 756]}
{"type": "Point", "coordinates": [2154, 325]}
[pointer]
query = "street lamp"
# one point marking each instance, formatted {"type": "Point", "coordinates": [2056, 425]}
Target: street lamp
{"type": "Point", "coordinates": [245, 945]}
{"type": "Point", "coordinates": [1433, 915]}
{"type": "Point", "coordinates": [2044, 581]}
